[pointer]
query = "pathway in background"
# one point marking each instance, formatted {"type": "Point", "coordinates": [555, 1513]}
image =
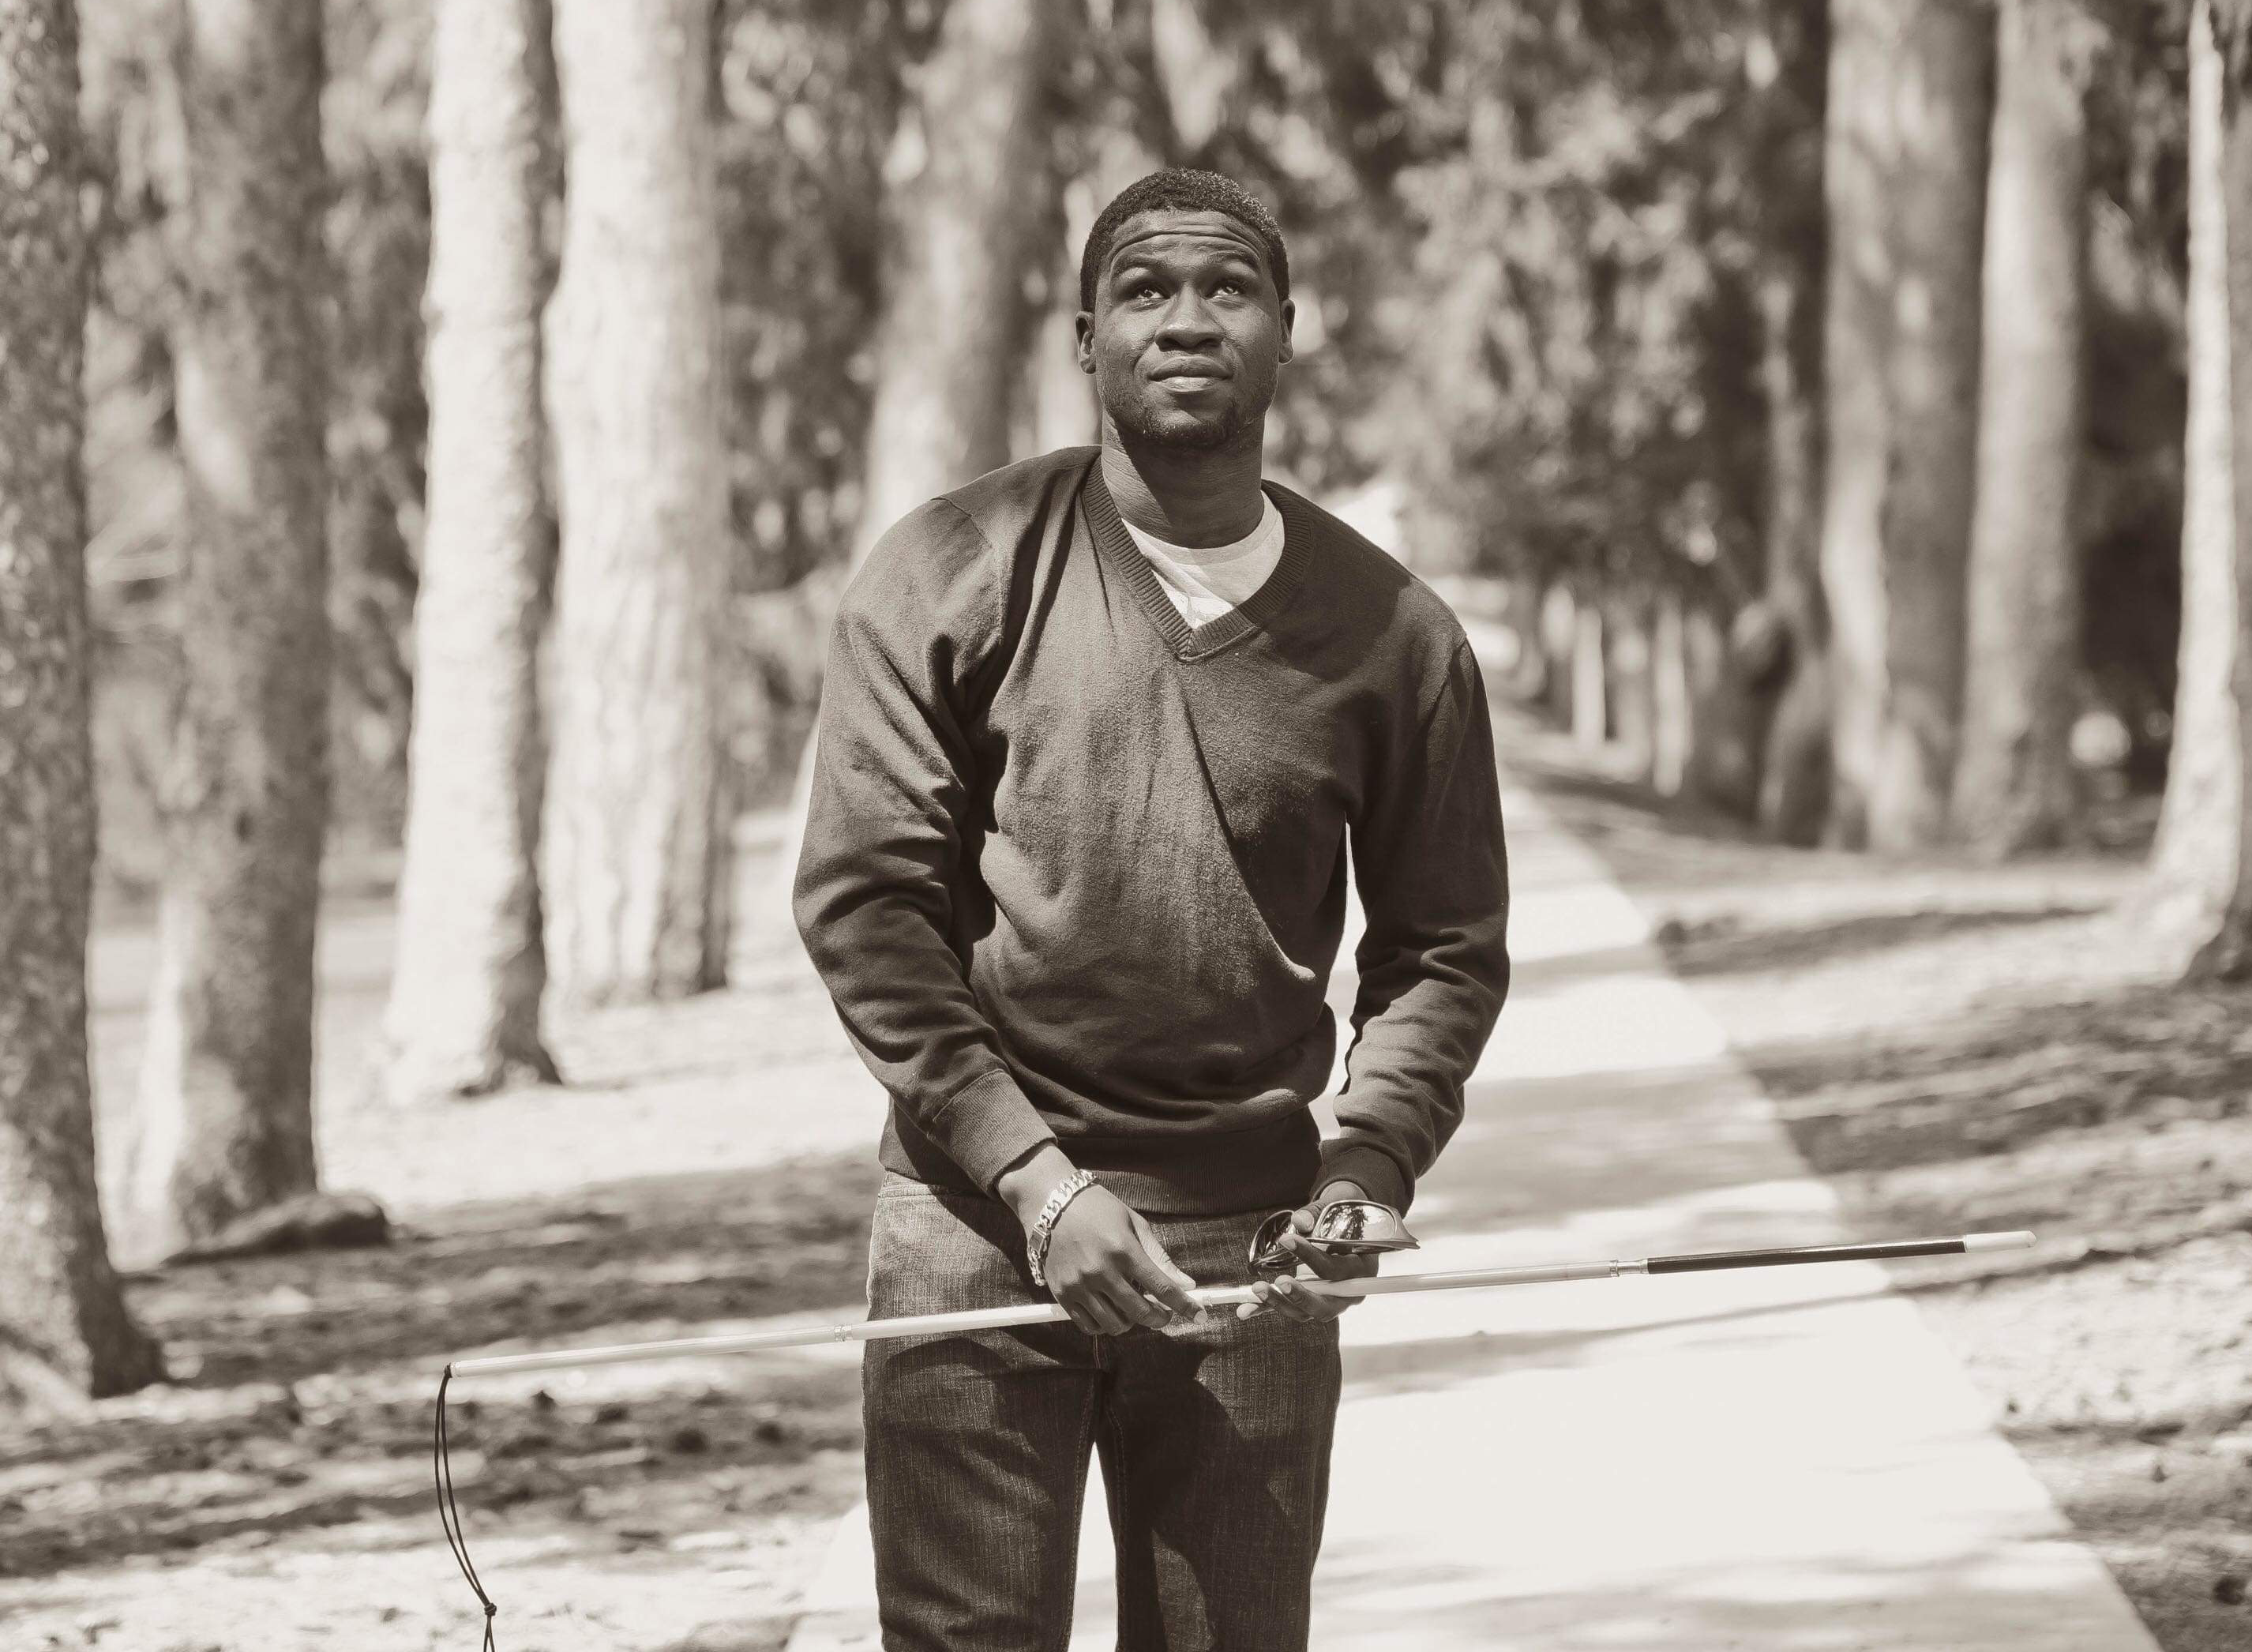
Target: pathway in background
{"type": "Point", "coordinates": [1775, 1459]}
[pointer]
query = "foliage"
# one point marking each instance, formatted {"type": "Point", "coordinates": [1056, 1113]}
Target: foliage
{"type": "Point", "coordinates": [1527, 242]}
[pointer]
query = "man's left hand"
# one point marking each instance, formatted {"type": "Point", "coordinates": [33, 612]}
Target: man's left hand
{"type": "Point", "coordinates": [1287, 1296]}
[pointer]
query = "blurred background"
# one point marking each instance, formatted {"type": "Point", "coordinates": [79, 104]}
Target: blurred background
{"type": "Point", "coordinates": [465, 415]}
{"type": "Point", "coordinates": [1558, 272]}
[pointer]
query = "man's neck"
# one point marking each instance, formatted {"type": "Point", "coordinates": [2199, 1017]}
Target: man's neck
{"type": "Point", "coordinates": [1196, 499]}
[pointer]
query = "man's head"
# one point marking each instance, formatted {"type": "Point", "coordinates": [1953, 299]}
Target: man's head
{"type": "Point", "coordinates": [1186, 310]}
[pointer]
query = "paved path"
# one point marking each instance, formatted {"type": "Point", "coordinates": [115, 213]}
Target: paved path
{"type": "Point", "coordinates": [1774, 1460]}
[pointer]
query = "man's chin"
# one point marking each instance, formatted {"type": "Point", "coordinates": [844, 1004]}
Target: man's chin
{"type": "Point", "coordinates": [1183, 433]}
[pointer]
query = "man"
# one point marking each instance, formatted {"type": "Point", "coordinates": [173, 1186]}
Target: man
{"type": "Point", "coordinates": [1099, 731]}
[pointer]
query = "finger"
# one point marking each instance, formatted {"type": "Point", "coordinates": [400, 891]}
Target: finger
{"type": "Point", "coordinates": [1331, 1264]}
{"type": "Point", "coordinates": [1156, 1273]}
{"type": "Point", "coordinates": [1102, 1320]}
{"type": "Point", "coordinates": [1263, 1294]}
{"type": "Point", "coordinates": [1081, 1319]}
{"type": "Point", "coordinates": [1294, 1300]}
{"type": "Point", "coordinates": [1133, 1308]}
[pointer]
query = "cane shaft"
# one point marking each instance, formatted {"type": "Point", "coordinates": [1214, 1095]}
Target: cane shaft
{"type": "Point", "coordinates": [1226, 1296]}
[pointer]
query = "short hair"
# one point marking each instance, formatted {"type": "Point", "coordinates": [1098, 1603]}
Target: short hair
{"type": "Point", "coordinates": [1183, 189]}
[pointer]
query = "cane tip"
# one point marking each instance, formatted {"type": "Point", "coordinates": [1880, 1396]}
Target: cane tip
{"type": "Point", "coordinates": [2017, 1240]}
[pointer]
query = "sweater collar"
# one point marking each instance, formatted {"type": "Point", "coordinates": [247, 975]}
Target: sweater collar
{"type": "Point", "coordinates": [1254, 613]}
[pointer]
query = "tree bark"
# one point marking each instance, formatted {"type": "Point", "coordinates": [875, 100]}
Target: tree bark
{"type": "Point", "coordinates": [967, 178]}
{"type": "Point", "coordinates": [1672, 728]}
{"type": "Point", "coordinates": [463, 1017]}
{"type": "Point", "coordinates": [2226, 951]}
{"type": "Point", "coordinates": [225, 1124]}
{"type": "Point", "coordinates": [2193, 865]}
{"type": "Point", "coordinates": [1559, 626]}
{"type": "Point", "coordinates": [968, 181]}
{"type": "Point", "coordinates": [635, 867]}
{"type": "Point", "coordinates": [64, 1333]}
{"type": "Point", "coordinates": [1905, 184]}
{"type": "Point", "coordinates": [1792, 778]}
{"type": "Point", "coordinates": [1734, 679]}
{"type": "Point", "coordinates": [2013, 787]}
{"type": "Point", "coordinates": [1628, 686]}
{"type": "Point", "coordinates": [1590, 719]}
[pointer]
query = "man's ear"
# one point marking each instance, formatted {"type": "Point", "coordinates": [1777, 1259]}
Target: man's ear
{"type": "Point", "coordinates": [1289, 315]}
{"type": "Point", "coordinates": [1084, 325]}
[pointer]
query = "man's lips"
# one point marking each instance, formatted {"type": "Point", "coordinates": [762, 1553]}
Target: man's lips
{"type": "Point", "coordinates": [1185, 380]}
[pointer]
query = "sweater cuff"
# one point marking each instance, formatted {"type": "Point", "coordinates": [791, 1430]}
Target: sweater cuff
{"type": "Point", "coordinates": [1346, 1159]}
{"type": "Point", "coordinates": [988, 1125]}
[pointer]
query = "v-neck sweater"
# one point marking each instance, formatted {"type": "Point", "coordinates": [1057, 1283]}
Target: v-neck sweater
{"type": "Point", "coordinates": [1075, 870]}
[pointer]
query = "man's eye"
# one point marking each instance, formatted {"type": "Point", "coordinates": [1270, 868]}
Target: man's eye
{"type": "Point", "coordinates": [1145, 289]}
{"type": "Point", "coordinates": [1230, 283]}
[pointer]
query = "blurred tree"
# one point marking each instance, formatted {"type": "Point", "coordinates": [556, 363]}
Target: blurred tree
{"type": "Point", "coordinates": [64, 1333]}
{"type": "Point", "coordinates": [2013, 783]}
{"type": "Point", "coordinates": [1786, 66]}
{"type": "Point", "coordinates": [463, 1017]}
{"type": "Point", "coordinates": [973, 198]}
{"type": "Point", "coordinates": [2225, 951]}
{"type": "Point", "coordinates": [1910, 95]}
{"type": "Point", "coordinates": [2193, 865]}
{"type": "Point", "coordinates": [636, 863]}
{"type": "Point", "coordinates": [375, 224]}
{"type": "Point", "coordinates": [224, 1122]}
{"type": "Point", "coordinates": [374, 110]}
{"type": "Point", "coordinates": [1588, 206]}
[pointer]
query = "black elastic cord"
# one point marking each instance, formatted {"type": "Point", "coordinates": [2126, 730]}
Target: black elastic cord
{"type": "Point", "coordinates": [450, 1516]}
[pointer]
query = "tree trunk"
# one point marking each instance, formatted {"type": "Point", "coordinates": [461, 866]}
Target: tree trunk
{"type": "Point", "coordinates": [1059, 408]}
{"type": "Point", "coordinates": [1527, 681]}
{"type": "Point", "coordinates": [1671, 727]}
{"type": "Point", "coordinates": [1559, 627]}
{"type": "Point", "coordinates": [1904, 183]}
{"type": "Point", "coordinates": [1792, 766]}
{"type": "Point", "coordinates": [967, 178]}
{"type": "Point", "coordinates": [1590, 722]}
{"type": "Point", "coordinates": [635, 863]}
{"type": "Point", "coordinates": [2193, 864]}
{"type": "Point", "coordinates": [2013, 781]}
{"type": "Point", "coordinates": [968, 187]}
{"type": "Point", "coordinates": [1733, 678]}
{"type": "Point", "coordinates": [64, 1333]}
{"type": "Point", "coordinates": [1627, 686]}
{"type": "Point", "coordinates": [2226, 951]}
{"type": "Point", "coordinates": [463, 1017]}
{"type": "Point", "coordinates": [225, 1124]}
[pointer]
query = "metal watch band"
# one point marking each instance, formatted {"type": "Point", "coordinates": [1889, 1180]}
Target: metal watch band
{"type": "Point", "coordinates": [1035, 1243]}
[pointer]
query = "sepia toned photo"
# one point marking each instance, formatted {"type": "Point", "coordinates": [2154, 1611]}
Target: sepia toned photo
{"type": "Point", "coordinates": [1031, 825]}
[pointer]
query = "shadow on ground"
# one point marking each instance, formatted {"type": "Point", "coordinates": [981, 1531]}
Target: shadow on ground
{"type": "Point", "coordinates": [303, 1385]}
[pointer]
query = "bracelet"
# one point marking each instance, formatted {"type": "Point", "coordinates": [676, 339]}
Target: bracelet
{"type": "Point", "coordinates": [1035, 1243]}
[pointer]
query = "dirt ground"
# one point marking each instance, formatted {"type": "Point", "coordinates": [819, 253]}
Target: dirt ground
{"type": "Point", "coordinates": [277, 1494]}
{"type": "Point", "coordinates": [1960, 1048]}
{"type": "Point", "coordinates": [1957, 1048]}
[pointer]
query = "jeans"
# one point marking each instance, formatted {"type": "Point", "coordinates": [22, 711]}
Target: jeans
{"type": "Point", "coordinates": [1214, 1439]}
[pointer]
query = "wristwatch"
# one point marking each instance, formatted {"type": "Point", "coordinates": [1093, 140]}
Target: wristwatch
{"type": "Point", "coordinates": [1036, 1242]}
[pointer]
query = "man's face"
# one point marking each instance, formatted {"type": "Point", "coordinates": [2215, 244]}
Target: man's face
{"type": "Point", "coordinates": [1186, 334]}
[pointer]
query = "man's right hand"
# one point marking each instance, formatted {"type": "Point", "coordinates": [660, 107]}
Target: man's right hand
{"type": "Point", "coordinates": [1104, 1264]}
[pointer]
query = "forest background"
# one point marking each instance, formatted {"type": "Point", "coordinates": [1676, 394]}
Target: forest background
{"type": "Point", "coordinates": [443, 432]}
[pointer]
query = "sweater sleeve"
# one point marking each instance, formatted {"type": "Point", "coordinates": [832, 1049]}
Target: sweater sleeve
{"type": "Point", "coordinates": [882, 866]}
{"type": "Point", "coordinates": [1433, 873]}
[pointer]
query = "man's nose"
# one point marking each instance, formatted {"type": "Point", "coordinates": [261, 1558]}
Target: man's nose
{"type": "Point", "coordinates": [1188, 322]}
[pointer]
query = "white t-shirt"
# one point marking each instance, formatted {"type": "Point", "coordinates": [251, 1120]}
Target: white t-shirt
{"type": "Point", "coordinates": [1205, 582]}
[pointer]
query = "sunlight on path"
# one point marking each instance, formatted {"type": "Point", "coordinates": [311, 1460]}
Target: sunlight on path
{"type": "Point", "coordinates": [1779, 1459]}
